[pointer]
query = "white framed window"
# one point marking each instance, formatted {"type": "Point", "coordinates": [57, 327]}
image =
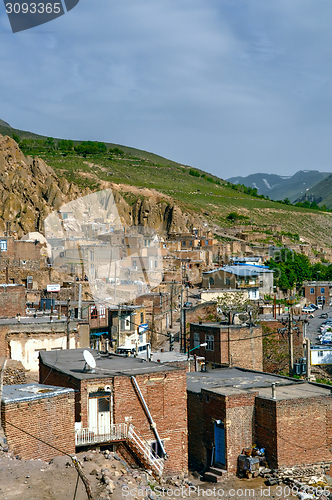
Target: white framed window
{"type": "Point", "coordinates": [320, 354]}
{"type": "Point", "coordinates": [209, 339]}
{"type": "Point", "coordinates": [102, 311]}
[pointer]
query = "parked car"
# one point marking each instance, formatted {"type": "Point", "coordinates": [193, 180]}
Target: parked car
{"type": "Point", "coordinates": [324, 315]}
{"type": "Point", "coordinates": [188, 304]}
{"type": "Point", "coordinates": [308, 309]}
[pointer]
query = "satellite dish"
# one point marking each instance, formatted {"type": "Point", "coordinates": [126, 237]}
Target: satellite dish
{"type": "Point", "coordinates": [89, 360]}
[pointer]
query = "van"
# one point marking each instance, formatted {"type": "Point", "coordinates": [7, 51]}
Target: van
{"type": "Point", "coordinates": [131, 350]}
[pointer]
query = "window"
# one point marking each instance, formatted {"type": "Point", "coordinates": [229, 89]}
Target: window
{"type": "Point", "coordinates": [155, 263]}
{"type": "Point", "coordinates": [135, 264]}
{"type": "Point", "coordinates": [103, 405]}
{"type": "Point", "coordinates": [312, 290]}
{"type": "Point", "coordinates": [211, 281]}
{"type": "Point", "coordinates": [320, 354]}
{"type": "Point", "coordinates": [206, 242]}
{"type": "Point", "coordinates": [102, 311]}
{"type": "Point", "coordinates": [183, 243]}
{"type": "Point", "coordinates": [142, 317]}
{"type": "Point", "coordinates": [228, 281]}
{"type": "Point", "coordinates": [156, 450]}
{"type": "Point", "coordinates": [322, 290]}
{"type": "Point", "coordinates": [196, 340]}
{"type": "Point", "coordinates": [191, 243]}
{"type": "Point", "coordinates": [209, 339]}
{"type": "Point", "coordinates": [94, 312]}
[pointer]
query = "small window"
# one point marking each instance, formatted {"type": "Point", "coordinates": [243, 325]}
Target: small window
{"type": "Point", "coordinates": [228, 281]}
{"type": "Point", "coordinates": [312, 290]}
{"type": "Point", "coordinates": [156, 450]}
{"type": "Point", "coordinates": [207, 398]}
{"type": "Point", "coordinates": [142, 317]}
{"type": "Point", "coordinates": [94, 312]}
{"type": "Point", "coordinates": [196, 340]}
{"type": "Point", "coordinates": [322, 290]}
{"type": "Point", "coordinates": [211, 281]}
{"type": "Point", "coordinates": [320, 354]}
{"type": "Point", "coordinates": [209, 339]}
{"type": "Point", "coordinates": [103, 405]}
{"type": "Point", "coordinates": [102, 311]}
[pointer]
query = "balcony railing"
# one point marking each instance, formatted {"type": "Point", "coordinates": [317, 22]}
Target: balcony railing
{"type": "Point", "coordinates": [121, 432]}
{"type": "Point", "coordinates": [101, 434]}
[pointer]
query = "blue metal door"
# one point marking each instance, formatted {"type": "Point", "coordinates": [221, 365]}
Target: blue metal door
{"type": "Point", "coordinates": [219, 443]}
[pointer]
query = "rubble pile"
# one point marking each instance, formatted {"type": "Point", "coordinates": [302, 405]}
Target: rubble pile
{"type": "Point", "coordinates": [14, 373]}
{"type": "Point", "coordinates": [299, 477]}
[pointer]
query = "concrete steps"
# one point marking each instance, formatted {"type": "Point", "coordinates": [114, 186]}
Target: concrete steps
{"type": "Point", "coordinates": [215, 475]}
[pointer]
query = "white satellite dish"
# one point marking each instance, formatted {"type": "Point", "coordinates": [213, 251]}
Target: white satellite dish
{"type": "Point", "coordinates": [89, 359]}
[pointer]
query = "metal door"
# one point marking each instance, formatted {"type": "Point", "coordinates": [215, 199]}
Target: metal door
{"type": "Point", "coordinates": [219, 443]}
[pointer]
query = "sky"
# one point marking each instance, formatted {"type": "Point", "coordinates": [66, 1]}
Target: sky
{"type": "Point", "coordinates": [233, 87]}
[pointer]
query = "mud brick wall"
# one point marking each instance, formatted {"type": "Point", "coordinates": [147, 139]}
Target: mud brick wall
{"type": "Point", "coordinates": [50, 419]}
{"type": "Point", "coordinates": [12, 301]}
{"type": "Point", "coordinates": [166, 397]}
{"type": "Point", "coordinates": [276, 346]}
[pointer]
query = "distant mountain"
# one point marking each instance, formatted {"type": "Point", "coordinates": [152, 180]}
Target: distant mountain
{"type": "Point", "coordinates": [278, 187]}
{"type": "Point", "coordinates": [4, 124]}
{"type": "Point", "coordinates": [321, 193]}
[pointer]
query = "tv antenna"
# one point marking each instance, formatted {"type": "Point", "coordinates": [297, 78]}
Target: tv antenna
{"type": "Point", "coordinates": [90, 362]}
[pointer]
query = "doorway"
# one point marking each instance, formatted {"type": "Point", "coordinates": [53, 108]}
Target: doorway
{"type": "Point", "coordinates": [219, 444]}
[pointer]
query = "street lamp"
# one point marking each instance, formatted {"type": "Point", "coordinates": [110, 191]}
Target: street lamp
{"type": "Point", "coordinates": [200, 345]}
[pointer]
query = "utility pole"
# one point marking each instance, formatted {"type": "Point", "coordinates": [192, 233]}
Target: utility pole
{"type": "Point", "coordinates": [68, 323]}
{"type": "Point", "coordinates": [181, 319]}
{"type": "Point", "coordinates": [171, 306]}
{"type": "Point", "coordinates": [79, 301]}
{"type": "Point", "coordinates": [3, 441]}
{"type": "Point", "coordinates": [119, 326]}
{"type": "Point", "coordinates": [290, 336]}
{"type": "Point", "coordinates": [308, 371]}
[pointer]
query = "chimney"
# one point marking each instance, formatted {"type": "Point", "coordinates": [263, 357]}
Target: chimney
{"type": "Point", "coordinates": [274, 390]}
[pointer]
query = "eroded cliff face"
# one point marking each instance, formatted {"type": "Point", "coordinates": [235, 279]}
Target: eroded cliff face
{"type": "Point", "coordinates": [30, 190]}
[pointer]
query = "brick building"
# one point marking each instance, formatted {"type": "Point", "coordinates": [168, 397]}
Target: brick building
{"type": "Point", "coordinates": [12, 300]}
{"type": "Point", "coordinates": [232, 345]}
{"type": "Point", "coordinates": [46, 412]}
{"type": "Point", "coordinates": [108, 401]}
{"type": "Point", "coordinates": [230, 409]}
{"type": "Point", "coordinates": [318, 292]}
{"type": "Point", "coordinates": [20, 253]}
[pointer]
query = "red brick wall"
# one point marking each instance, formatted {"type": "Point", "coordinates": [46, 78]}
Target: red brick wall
{"type": "Point", "coordinates": [165, 395]}
{"type": "Point", "coordinates": [50, 419]}
{"type": "Point", "coordinates": [266, 431]}
{"type": "Point", "coordinates": [49, 376]}
{"type": "Point", "coordinates": [12, 301]}
{"type": "Point", "coordinates": [234, 346]}
{"type": "Point", "coordinates": [245, 348]}
{"type": "Point", "coordinates": [304, 431]}
{"type": "Point", "coordinates": [237, 414]}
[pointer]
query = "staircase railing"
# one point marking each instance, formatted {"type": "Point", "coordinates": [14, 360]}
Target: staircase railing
{"type": "Point", "coordinates": [121, 432]}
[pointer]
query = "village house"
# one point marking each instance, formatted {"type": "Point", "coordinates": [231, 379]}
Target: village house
{"type": "Point", "coordinates": [318, 292]}
{"type": "Point", "coordinates": [231, 345]}
{"type": "Point", "coordinates": [125, 400]}
{"type": "Point", "coordinates": [230, 409]}
{"type": "Point", "coordinates": [258, 280]}
{"type": "Point", "coordinates": [46, 412]}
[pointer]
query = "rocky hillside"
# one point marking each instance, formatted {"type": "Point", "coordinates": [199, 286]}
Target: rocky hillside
{"type": "Point", "coordinates": [321, 193]}
{"type": "Point", "coordinates": [30, 189]}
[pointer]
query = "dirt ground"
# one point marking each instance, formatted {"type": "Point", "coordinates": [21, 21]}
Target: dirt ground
{"type": "Point", "coordinates": [38, 480]}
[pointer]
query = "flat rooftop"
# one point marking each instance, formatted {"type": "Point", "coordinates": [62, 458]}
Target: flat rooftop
{"type": "Point", "coordinates": [31, 392]}
{"type": "Point", "coordinates": [71, 362]}
{"type": "Point", "coordinates": [229, 381]}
